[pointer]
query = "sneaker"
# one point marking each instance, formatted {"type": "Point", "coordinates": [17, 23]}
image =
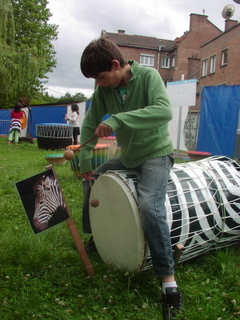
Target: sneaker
{"type": "Point", "coordinates": [90, 245]}
{"type": "Point", "coordinates": [171, 303]}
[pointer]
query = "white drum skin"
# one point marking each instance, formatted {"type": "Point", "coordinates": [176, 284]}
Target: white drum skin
{"type": "Point", "coordinates": [118, 235]}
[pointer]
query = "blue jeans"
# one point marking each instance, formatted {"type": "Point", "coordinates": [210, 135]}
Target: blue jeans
{"type": "Point", "coordinates": [152, 188]}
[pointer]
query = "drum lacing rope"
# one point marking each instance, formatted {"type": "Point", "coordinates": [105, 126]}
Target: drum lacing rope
{"type": "Point", "coordinates": [228, 166]}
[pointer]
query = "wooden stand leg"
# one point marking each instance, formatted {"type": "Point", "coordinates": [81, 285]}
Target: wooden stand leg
{"type": "Point", "coordinates": [74, 232]}
{"type": "Point", "coordinates": [80, 246]}
{"type": "Point", "coordinates": [177, 253]}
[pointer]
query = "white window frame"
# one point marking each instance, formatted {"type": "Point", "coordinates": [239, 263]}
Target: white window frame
{"type": "Point", "coordinates": [204, 67]}
{"type": "Point", "coordinates": [147, 60]}
{"type": "Point", "coordinates": [173, 61]}
{"type": "Point", "coordinates": [224, 57]}
{"type": "Point", "coordinates": [165, 62]}
{"type": "Point", "coordinates": [212, 64]}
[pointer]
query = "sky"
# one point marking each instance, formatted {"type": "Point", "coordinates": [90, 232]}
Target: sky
{"type": "Point", "coordinates": [81, 21]}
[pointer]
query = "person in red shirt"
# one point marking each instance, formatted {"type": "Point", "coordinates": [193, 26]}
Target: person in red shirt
{"type": "Point", "coordinates": [15, 126]}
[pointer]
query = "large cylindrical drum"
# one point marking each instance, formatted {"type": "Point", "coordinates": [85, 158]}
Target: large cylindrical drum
{"type": "Point", "coordinates": [203, 212]}
{"type": "Point", "coordinates": [112, 145]}
{"type": "Point", "coordinates": [54, 136]}
{"type": "Point", "coordinates": [99, 156]}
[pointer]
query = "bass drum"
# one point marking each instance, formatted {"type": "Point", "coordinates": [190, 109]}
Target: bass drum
{"type": "Point", "coordinates": [203, 212]}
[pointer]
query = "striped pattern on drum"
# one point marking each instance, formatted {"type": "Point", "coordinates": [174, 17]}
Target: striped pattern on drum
{"type": "Point", "coordinates": [203, 205]}
{"type": "Point", "coordinates": [54, 130]}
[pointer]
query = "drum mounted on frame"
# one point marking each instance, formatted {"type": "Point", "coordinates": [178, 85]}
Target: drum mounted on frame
{"type": "Point", "coordinates": [203, 212]}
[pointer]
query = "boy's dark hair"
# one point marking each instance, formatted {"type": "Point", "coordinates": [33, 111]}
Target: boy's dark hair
{"type": "Point", "coordinates": [97, 57]}
{"type": "Point", "coordinates": [74, 107]}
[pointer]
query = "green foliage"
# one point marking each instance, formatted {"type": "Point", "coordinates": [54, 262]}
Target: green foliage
{"type": "Point", "coordinates": [42, 98]}
{"type": "Point", "coordinates": [43, 277]}
{"type": "Point", "coordinates": [7, 30]}
{"type": "Point", "coordinates": [26, 50]}
{"type": "Point", "coordinates": [72, 98]}
{"type": "Point", "coordinates": [33, 30]}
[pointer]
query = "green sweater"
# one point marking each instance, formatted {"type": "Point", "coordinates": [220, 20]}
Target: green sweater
{"type": "Point", "coordinates": [141, 124]}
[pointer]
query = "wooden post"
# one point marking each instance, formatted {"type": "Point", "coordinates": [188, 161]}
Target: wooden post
{"type": "Point", "coordinates": [80, 246]}
{"type": "Point", "coordinates": [74, 232]}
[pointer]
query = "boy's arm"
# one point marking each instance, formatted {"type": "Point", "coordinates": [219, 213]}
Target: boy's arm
{"type": "Point", "coordinates": [157, 111]}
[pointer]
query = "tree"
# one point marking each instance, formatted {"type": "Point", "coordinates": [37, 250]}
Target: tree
{"type": "Point", "coordinates": [43, 98]}
{"type": "Point", "coordinates": [26, 51]}
{"type": "Point", "coordinates": [8, 57]}
{"type": "Point", "coordinates": [33, 30]}
{"type": "Point", "coordinates": [68, 98]}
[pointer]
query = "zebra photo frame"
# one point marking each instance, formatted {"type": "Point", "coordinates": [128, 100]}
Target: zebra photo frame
{"type": "Point", "coordinates": [43, 201]}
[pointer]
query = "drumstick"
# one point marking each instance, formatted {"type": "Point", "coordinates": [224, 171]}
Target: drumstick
{"type": "Point", "coordinates": [68, 154]}
{"type": "Point", "coordinates": [82, 145]}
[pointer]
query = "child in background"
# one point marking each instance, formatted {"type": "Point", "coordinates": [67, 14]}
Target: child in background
{"type": "Point", "coordinates": [73, 120]}
{"type": "Point", "coordinates": [15, 126]}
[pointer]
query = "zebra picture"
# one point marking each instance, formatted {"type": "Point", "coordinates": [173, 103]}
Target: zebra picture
{"type": "Point", "coordinates": [49, 200]}
{"type": "Point", "coordinates": [43, 201]}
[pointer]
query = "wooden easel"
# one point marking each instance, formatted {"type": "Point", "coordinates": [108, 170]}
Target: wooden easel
{"type": "Point", "coordinates": [80, 246]}
{"type": "Point", "coordinates": [76, 237]}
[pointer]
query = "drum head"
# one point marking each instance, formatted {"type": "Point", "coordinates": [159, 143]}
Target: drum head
{"type": "Point", "coordinates": [115, 223]}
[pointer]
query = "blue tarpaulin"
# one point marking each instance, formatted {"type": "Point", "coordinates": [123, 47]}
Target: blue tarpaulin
{"type": "Point", "coordinates": [49, 114]}
{"type": "Point", "coordinates": [39, 114]}
{"type": "Point", "coordinates": [219, 120]}
{"type": "Point", "coordinates": [42, 114]}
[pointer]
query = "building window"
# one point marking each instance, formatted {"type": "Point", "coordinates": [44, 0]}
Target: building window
{"type": "Point", "coordinates": [224, 58]}
{"type": "Point", "coordinates": [165, 62]}
{"type": "Point", "coordinates": [212, 64]}
{"type": "Point", "coordinates": [147, 60]}
{"type": "Point", "coordinates": [173, 61]}
{"type": "Point", "coordinates": [204, 67]}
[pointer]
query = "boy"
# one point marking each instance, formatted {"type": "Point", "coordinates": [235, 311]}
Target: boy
{"type": "Point", "coordinates": [139, 108]}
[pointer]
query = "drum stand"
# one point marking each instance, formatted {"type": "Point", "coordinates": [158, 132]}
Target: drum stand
{"type": "Point", "coordinates": [177, 253]}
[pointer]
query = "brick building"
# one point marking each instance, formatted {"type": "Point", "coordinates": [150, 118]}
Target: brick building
{"type": "Point", "coordinates": [204, 53]}
{"type": "Point", "coordinates": [220, 57]}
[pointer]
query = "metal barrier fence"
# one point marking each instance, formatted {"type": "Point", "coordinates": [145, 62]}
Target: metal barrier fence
{"type": "Point", "coordinates": [4, 127]}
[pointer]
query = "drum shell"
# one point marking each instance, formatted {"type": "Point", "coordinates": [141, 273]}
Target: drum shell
{"type": "Point", "coordinates": [55, 159]}
{"type": "Point", "coordinates": [202, 212]}
{"type": "Point", "coordinates": [100, 155]}
{"type": "Point", "coordinates": [53, 136]}
{"type": "Point", "coordinates": [112, 145]}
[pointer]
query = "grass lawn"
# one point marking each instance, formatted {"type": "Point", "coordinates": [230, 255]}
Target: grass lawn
{"type": "Point", "coordinates": [43, 277]}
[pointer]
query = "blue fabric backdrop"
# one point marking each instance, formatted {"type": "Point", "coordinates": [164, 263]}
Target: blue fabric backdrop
{"type": "Point", "coordinates": [219, 120]}
{"type": "Point", "coordinates": [46, 114]}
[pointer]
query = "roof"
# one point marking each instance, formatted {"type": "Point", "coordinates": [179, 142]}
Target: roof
{"type": "Point", "coordinates": [136, 41]}
{"type": "Point", "coordinates": [222, 34]}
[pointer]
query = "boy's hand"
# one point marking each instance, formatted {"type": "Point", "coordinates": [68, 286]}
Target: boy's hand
{"type": "Point", "coordinates": [88, 176]}
{"type": "Point", "coordinates": [103, 131]}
